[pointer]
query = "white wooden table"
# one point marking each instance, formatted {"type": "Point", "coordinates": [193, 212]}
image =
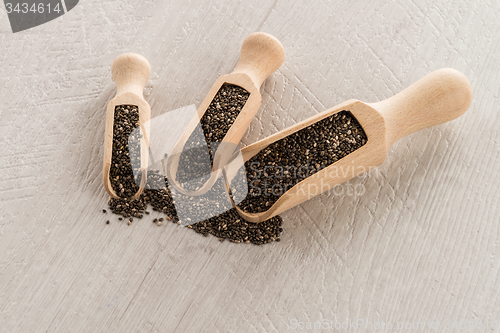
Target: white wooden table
{"type": "Point", "coordinates": [419, 246]}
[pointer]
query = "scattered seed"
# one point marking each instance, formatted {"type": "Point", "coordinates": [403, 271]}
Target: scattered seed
{"type": "Point", "coordinates": [107, 222]}
{"type": "Point", "coordinates": [228, 225]}
{"type": "Point", "coordinates": [216, 121]}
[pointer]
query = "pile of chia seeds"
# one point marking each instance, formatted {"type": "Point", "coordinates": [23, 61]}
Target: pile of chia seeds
{"type": "Point", "coordinates": [228, 225]}
{"type": "Point", "coordinates": [195, 163]}
{"type": "Point", "coordinates": [125, 159]}
{"type": "Point", "coordinates": [286, 162]}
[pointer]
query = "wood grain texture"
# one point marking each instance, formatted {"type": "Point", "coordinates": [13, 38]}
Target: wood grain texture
{"type": "Point", "coordinates": [419, 244]}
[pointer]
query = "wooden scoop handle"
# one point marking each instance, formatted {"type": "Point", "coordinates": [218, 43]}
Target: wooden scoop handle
{"type": "Point", "coordinates": [130, 72]}
{"type": "Point", "coordinates": [438, 97]}
{"type": "Point", "coordinates": [261, 55]}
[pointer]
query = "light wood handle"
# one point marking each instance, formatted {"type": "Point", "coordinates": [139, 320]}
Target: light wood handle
{"type": "Point", "coordinates": [130, 72]}
{"type": "Point", "coordinates": [261, 55]}
{"type": "Point", "coordinates": [438, 97]}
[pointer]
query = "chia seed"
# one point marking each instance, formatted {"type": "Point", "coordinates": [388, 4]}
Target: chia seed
{"type": "Point", "coordinates": [195, 162]}
{"type": "Point", "coordinates": [228, 225]}
{"type": "Point", "coordinates": [197, 157]}
{"type": "Point", "coordinates": [286, 162]}
{"type": "Point", "coordinates": [223, 111]}
{"type": "Point", "coordinates": [123, 167]}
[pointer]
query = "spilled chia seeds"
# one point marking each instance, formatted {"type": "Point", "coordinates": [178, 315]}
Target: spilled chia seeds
{"type": "Point", "coordinates": [284, 163]}
{"type": "Point", "coordinates": [121, 172]}
{"type": "Point", "coordinates": [195, 162]}
{"type": "Point", "coordinates": [269, 174]}
{"type": "Point", "coordinates": [228, 225]}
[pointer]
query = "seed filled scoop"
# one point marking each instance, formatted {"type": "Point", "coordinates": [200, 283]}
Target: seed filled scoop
{"type": "Point", "coordinates": [261, 55]}
{"type": "Point", "coordinates": [124, 113]}
{"type": "Point", "coordinates": [437, 98]}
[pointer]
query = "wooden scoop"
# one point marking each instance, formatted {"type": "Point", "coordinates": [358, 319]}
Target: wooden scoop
{"type": "Point", "coordinates": [261, 55]}
{"type": "Point", "coordinates": [439, 97]}
{"type": "Point", "coordinates": [130, 72]}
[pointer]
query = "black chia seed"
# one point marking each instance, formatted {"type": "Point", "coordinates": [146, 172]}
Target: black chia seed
{"type": "Point", "coordinates": [195, 162]}
{"type": "Point", "coordinates": [286, 162]}
{"type": "Point", "coordinates": [228, 225]}
{"type": "Point", "coordinates": [121, 173]}
{"type": "Point", "coordinates": [197, 158]}
{"type": "Point", "coordinates": [222, 112]}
